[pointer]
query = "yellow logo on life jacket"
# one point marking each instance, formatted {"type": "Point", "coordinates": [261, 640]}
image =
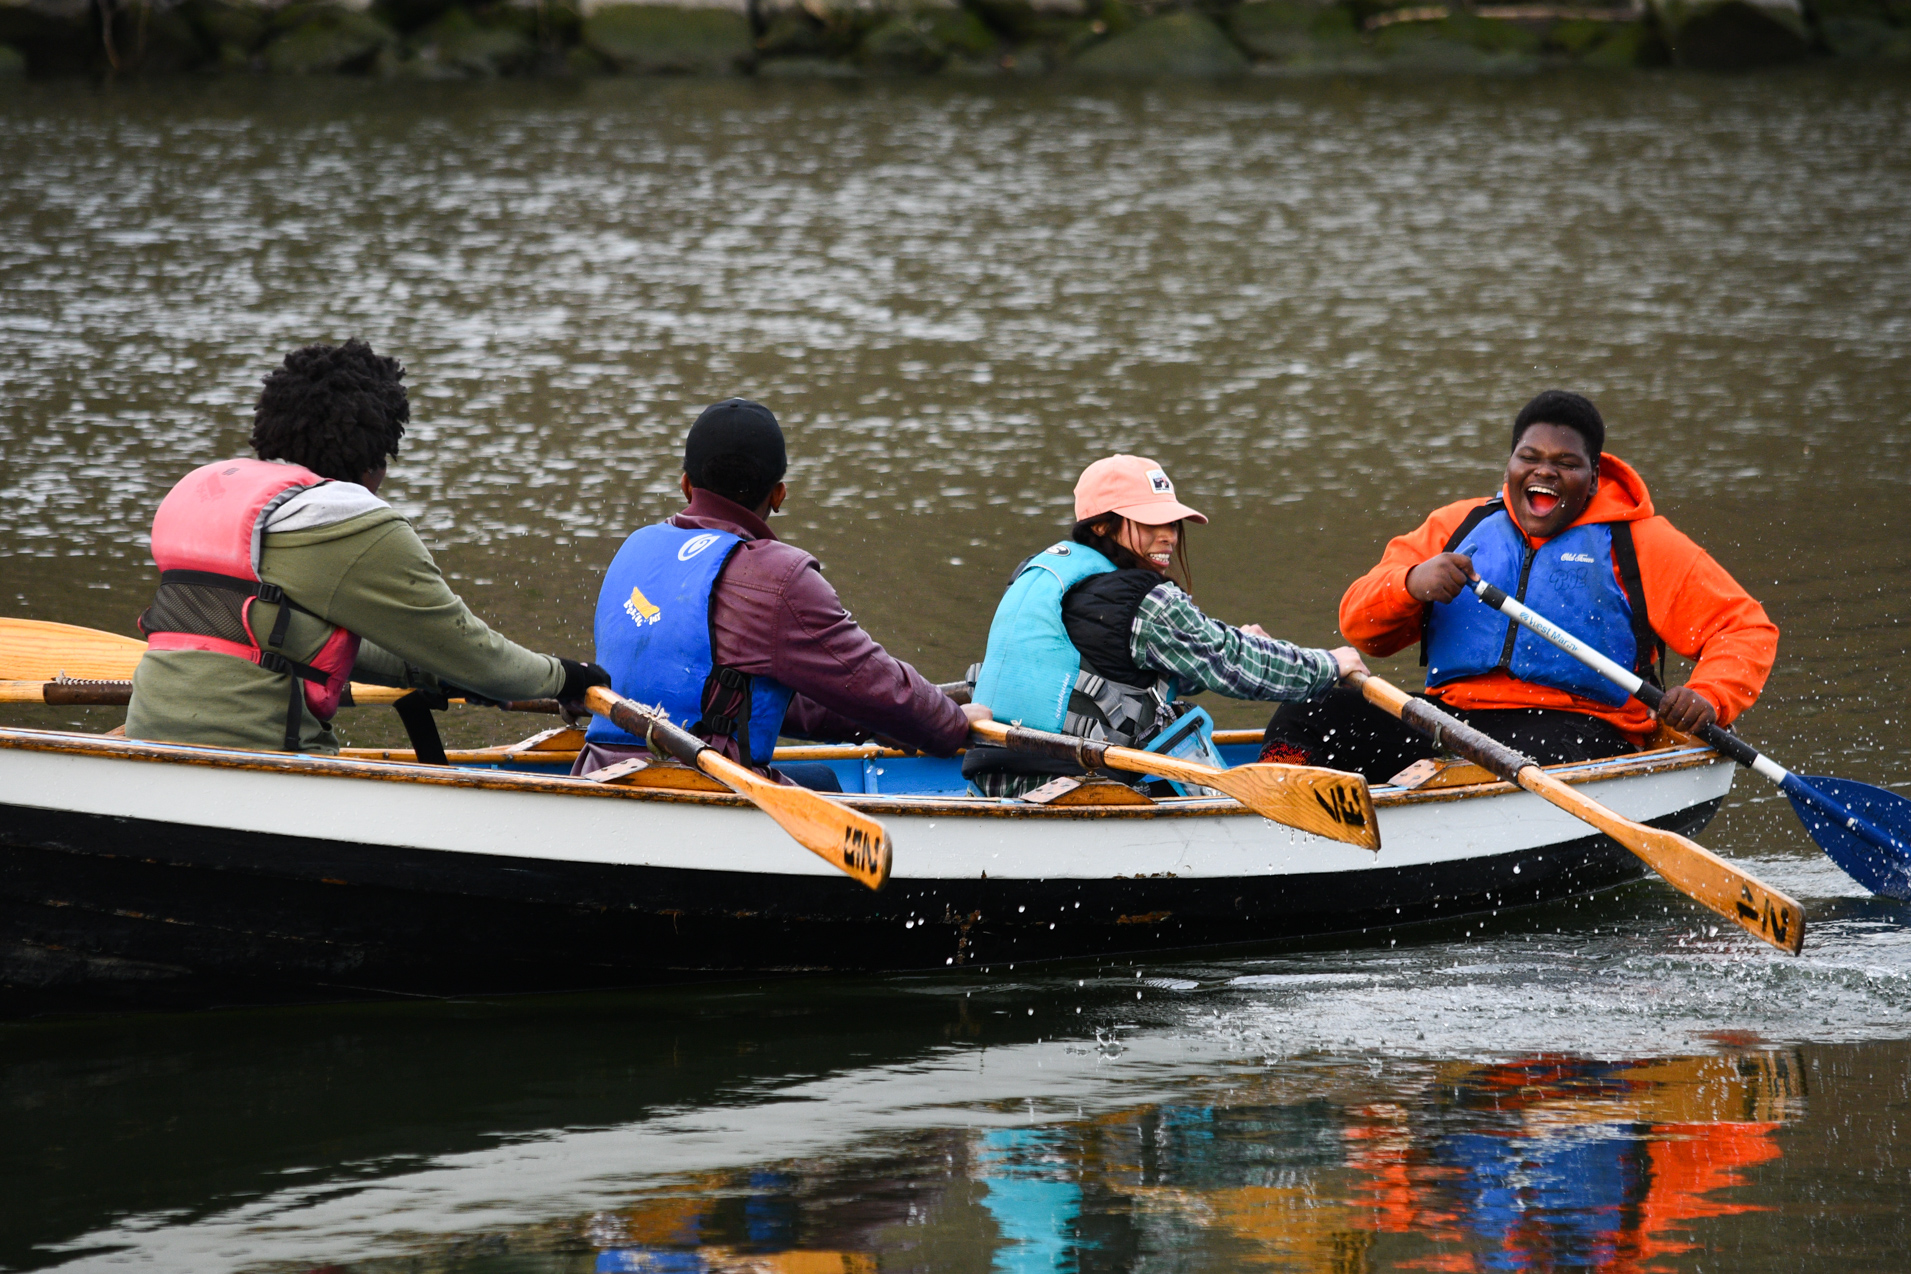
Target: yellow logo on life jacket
{"type": "Point", "coordinates": [640, 610]}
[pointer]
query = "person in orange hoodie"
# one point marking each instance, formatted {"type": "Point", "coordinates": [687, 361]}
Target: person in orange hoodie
{"type": "Point", "coordinates": [1578, 541]}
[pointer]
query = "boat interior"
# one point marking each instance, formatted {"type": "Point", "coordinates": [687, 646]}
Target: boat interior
{"type": "Point", "coordinates": [872, 770]}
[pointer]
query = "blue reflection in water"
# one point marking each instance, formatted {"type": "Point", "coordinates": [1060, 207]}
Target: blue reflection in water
{"type": "Point", "coordinates": [769, 1214]}
{"type": "Point", "coordinates": [650, 1260]}
{"type": "Point", "coordinates": [1034, 1196]}
{"type": "Point", "coordinates": [1564, 1196]}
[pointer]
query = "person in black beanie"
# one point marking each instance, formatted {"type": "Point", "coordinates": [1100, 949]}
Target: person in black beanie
{"type": "Point", "coordinates": [737, 634]}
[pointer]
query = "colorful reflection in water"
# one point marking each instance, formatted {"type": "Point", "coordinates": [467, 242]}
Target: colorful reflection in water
{"type": "Point", "coordinates": [1542, 1163]}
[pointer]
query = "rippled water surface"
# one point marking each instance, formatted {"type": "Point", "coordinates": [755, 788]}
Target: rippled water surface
{"type": "Point", "coordinates": [1319, 305]}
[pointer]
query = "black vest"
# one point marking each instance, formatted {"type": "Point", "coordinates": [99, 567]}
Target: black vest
{"type": "Point", "coordinates": [1099, 614]}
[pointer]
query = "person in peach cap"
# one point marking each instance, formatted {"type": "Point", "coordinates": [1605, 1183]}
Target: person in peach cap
{"type": "Point", "coordinates": [1096, 637]}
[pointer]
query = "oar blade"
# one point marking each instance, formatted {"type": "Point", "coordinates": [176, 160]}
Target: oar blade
{"type": "Point", "coordinates": [1693, 870]}
{"type": "Point", "coordinates": [1330, 803]}
{"type": "Point", "coordinates": [847, 839]}
{"type": "Point", "coordinates": [1728, 890]}
{"type": "Point", "coordinates": [40, 650]}
{"type": "Point", "coordinates": [1883, 870]}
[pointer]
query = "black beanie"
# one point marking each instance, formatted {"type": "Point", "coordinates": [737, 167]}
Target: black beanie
{"type": "Point", "coordinates": [736, 450]}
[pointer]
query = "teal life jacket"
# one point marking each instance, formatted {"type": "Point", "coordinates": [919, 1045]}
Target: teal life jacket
{"type": "Point", "coordinates": [1029, 665]}
{"type": "Point", "coordinates": [653, 637]}
{"type": "Point", "coordinates": [1034, 675]}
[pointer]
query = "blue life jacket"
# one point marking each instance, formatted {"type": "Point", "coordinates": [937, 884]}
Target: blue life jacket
{"type": "Point", "coordinates": [653, 637]}
{"type": "Point", "coordinates": [1571, 579]}
{"type": "Point", "coordinates": [1029, 666]}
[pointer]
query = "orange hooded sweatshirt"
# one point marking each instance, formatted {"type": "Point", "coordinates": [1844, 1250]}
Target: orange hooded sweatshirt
{"type": "Point", "coordinates": [1695, 607]}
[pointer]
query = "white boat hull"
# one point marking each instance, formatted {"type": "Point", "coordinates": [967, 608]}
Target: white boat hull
{"type": "Point", "coordinates": [151, 874]}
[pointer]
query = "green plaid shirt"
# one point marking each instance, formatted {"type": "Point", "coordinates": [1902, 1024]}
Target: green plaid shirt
{"type": "Point", "coordinates": [1172, 636]}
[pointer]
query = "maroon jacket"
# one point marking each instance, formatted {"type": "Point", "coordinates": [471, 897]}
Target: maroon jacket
{"type": "Point", "coordinates": [773, 614]}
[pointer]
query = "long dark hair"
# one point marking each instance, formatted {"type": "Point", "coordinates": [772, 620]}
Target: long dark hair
{"type": "Point", "coordinates": [1099, 533]}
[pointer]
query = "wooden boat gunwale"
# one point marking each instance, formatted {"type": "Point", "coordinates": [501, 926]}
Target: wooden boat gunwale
{"type": "Point", "coordinates": [1673, 757]}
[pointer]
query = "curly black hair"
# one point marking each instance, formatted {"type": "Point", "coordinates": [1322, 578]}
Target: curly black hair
{"type": "Point", "coordinates": [1567, 410]}
{"type": "Point", "coordinates": [339, 410]}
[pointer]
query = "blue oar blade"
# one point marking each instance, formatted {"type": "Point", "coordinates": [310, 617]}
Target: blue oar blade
{"type": "Point", "coordinates": [1882, 870]}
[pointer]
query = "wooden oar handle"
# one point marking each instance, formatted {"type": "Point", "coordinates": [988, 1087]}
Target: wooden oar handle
{"type": "Point", "coordinates": [1443, 728]}
{"type": "Point", "coordinates": [88, 693]}
{"type": "Point", "coordinates": [647, 724]}
{"type": "Point", "coordinates": [1086, 753]}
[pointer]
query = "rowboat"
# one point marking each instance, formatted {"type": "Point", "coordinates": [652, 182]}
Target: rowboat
{"type": "Point", "coordinates": [148, 875]}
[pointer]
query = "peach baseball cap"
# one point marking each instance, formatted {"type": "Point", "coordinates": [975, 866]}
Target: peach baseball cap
{"type": "Point", "coordinates": [1133, 486]}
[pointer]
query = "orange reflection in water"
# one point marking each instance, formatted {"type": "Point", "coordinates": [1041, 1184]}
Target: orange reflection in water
{"type": "Point", "coordinates": [1593, 1166]}
{"type": "Point", "coordinates": [1542, 1163]}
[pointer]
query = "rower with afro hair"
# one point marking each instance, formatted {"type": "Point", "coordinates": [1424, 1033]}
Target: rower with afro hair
{"type": "Point", "coordinates": [339, 410]}
{"type": "Point", "coordinates": [282, 578]}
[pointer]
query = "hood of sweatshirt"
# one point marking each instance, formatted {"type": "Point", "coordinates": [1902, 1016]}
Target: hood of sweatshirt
{"type": "Point", "coordinates": [1622, 497]}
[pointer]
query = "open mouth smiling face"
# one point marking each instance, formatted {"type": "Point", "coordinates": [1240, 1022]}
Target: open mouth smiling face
{"type": "Point", "coordinates": [1153, 544]}
{"type": "Point", "coordinates": [1550, 478]}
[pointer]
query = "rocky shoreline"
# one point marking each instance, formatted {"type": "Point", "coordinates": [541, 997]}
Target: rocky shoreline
{"type": "Point", "coordinates": [447, 39]}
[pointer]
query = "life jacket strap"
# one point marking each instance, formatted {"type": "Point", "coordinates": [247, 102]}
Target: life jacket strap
{"type": "Point", "coordinates": [1115, 712]}
{"type": "Point", "coordinates": [1473, 518]}
{"type": "Point", "coordinates": [206, 604]}
{"type": "Point", "coordinates": [720, 723]}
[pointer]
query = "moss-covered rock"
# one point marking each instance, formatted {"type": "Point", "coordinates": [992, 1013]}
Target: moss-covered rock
{"type": "Point", "coordinates": [1174, 44]}
{"type": "Point", "coordinates": [55, 36]}
{"type": "Point", "coordinates": [927, 40]}
{"type": "Point", "coordinates": [1297, 36]}
{"type": "Point", "coordinates": [457, 45]}
{"type": "Point", "coordinates": [235, 31]}
{"type": "Point", "coordinates": [1030, 22]}
{"type": "Point", "coordinates": [807, 68]}
{"type": "Point", "coordinates": [160, 42]}
{"type": "Point", "coordinates": [1458, 45]}
{"type": "Point", "coordinates": [900, 45]}
{"type": "Point", "coordinates": [658, 40]}
{"type": "Point", "coordinates": [1865, 39]}
{"type": "Point", "coordinates": [1733, 35]}
{"type": "Point", "coordinates": [13, 63]}
{"type": "Point", "coordinates": [330, 41]}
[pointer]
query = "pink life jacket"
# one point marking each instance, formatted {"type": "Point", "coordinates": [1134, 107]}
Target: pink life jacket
{"type": "Point", "coordinates": [207, 540]}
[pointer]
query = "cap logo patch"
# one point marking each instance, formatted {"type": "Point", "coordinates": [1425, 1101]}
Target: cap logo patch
{"type": "Point", "coordinates": [695, 546]}
{"type": "Point", "coordinates": [1158, 482]}
{"type": "Point", "coordinates": [641, 609]}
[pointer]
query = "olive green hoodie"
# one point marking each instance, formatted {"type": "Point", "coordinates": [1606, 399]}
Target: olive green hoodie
{"type": "Point", "coordinates": [368, 573]}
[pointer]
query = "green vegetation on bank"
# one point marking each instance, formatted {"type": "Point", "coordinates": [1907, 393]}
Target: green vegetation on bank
{"type": "Point", "coordinates": [447, 39]}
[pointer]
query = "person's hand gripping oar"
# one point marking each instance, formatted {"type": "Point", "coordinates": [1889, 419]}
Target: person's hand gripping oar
{"type": "Point", "coordinates": [1327, 803]}
{"type": "Point", "coordinates": [1864, 829]}
{"type": "Point", "coordinates": [1694, 871]}
{"type": "Point", "coordinates": [847, 839]}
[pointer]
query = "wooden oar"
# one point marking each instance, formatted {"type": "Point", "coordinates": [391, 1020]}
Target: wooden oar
{"type": "Point", "coordinates": [848, 840]}
{"type": "Point", "coordinates": [1692, 870]}
{"type": "Point", "coordinates": [40, 650]}
{"type": "Point", "coordinates": [1327, 803]}
{"type": "Point", "coordinates": [45, 662]}
{"type": "Point", "coordinates": [1873, 847]}
{"type": "Point", "coordinates": [120, 693]}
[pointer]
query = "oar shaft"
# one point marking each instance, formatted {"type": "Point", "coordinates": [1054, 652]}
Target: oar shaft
{"type": "Point", "coordinates": [1444, 729]}
{"type": "Point", "coordinates": [1633, 684]}
{"type": "Point", "coordinates": [111, 694]}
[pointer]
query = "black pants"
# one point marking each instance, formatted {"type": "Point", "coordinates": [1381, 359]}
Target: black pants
{"type": "Point", "coordinates": [1344, 732]}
